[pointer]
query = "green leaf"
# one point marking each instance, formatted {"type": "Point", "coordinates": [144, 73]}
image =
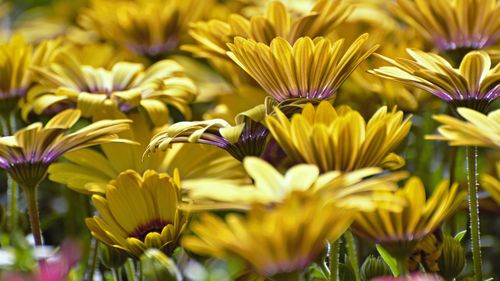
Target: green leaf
{"type": "Point", "coordinates": [459, 236]}
{"type": "Point", "coordinates": [389, 260]}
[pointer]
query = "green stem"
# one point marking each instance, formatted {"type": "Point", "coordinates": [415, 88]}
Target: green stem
{"type": "Point", "coordinates": [129, 270]}
{"type": "Point", "coordinates": [289, 276]}
{"type": "Point", "coordinates": [117, 276]}
{"type": "Point", "coordinates": [334, 260]}
{"type": "Point", "coordinates": [352, 254]}
{"type": "Point", "coordinates": [32, 202]}
{"type": "Point", "coordinates": [402, 266]}
{"type": "Point", "coordinates": [92, 262]}
{"type": "Point", "coordinates": [8, 125]}
{"type": "Point", "coordinates": [474, 210]}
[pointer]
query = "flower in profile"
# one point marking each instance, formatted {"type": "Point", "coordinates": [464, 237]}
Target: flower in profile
{"type": "Point", "coordinates": [28, 153]}
{"type": "Point", "coordinates": [477, 130]}
{"type": "Point", "coordinates": [246, 138]}
{"type": "Point", "coordinates": [399, 232]}
{"type": "Point", "coordinates": [340, 139]}
{"type": "Point", "coordinates": [349, 190]}
{"type": "Point", "coordinates": [16, 57]}
{"type": "Point", "coordinates": [149, 28]}
{"type": "Point", "coordinates": [100, 92]}
{"type": "Point", "coordinates": [451, 25]}
{"type": "Point", "coordinates": [88, 171]}
{"type": "Point", "coordinates": [308, 70]}
{"type": "Point", "coordinates": [272, 241]}
{"type": "Point", "coordinates": [474, 84]}
{"type": "Point", "coordinates": [212, 36]}
{"type": "Point", "coordinates": [139, 212]}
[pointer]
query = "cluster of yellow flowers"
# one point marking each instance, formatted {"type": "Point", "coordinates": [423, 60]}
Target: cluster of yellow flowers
{"type": "Point", "coordinates": [258, 132]}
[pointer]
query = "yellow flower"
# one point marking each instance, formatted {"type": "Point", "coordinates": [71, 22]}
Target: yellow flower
{"type": "Point", "coordinates": [340, 139]}
{"type": "Point", "coordinates": [247, 138]}
{"type": "Point", "coordinates": [101, 92]}
{"type": "Point", "coordinates": [212, 36]}
{"type": "Point", "coordinates": [88, 171]}
{"type": "Point", "coordinates": [308, 69]}
{"type": "Point", "coordinates": [147, 27]}
{"type": "Point", "coordinates": [271, 241]}
{"type": "Point", "coordinates": [399, 232]}
{"type": "Point", "coordinates": [474, 84]}
{"type": "Point", "coordinates": [139, 212]}
{"type": "Point", "coordinates": [491, 183]}
{"type": "Point", "coordinates": [477, 130]}
{"type": "Point", "coordinates": [349, 190]}
{"type": "Point", "coordinates": [16, 57]}
{"type": "Point", "coordinates": [453, 24]}
{"type": "Point", "coordinates": [28, 153]}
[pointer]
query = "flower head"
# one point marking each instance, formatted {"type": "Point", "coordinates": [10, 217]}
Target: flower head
{"type": "Point", "coordinates": [101, 92]}
{"type": "Point", "coordinates": [139, 212]}
{"type": "Point", "coordinates": [412, 277]}
{"type": "Point", "coordinates": [144, 27]}
{"type": "Point", "coordinates": [309, 69]}
{"type": "Point", "coordinates": [399, 232]}
{"type": "Point", "coordinates": [340, 139]}
{"type": "Point", "coordinates": [477, 129]}
{"type": "Point", "coordinates": [283, 239]}
{"type": "Point", "coordinates": [450, 25]}
{"type": "Point", "coordinates": [28, 153]}
{"type": "Point", "coordinates": [474, 84]}
{"type": "Point", "coordinates": [247, 138]}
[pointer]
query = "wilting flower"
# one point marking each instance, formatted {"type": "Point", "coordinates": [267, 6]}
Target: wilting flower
{"type": "Point", "coordinates": [271, 241]}
{"type": "Point", "coordinates": [16, 57]}
{"type": "Point", "coordinates": [477, 130]}
{"type": "Point", "coordinates": [98, 92]}
{"type": "Point", "coordinates": [309, 69]}
{"type": "Point", "coordinates": [88, 171]}
{"type": "Point", "coordinates": [212, 36]}
{"type": "Point", "coordinates": [145, 27]}
{"type": "Point", "coordinates": [28, 153]}
{"type": "Point", "coordinates": [399, 232]}
{"type": "Point", "coordinates": [348, 190]}
{"type": "Point", "coordinates": [450, 25]}
{"type": "Point", "coordinates": [340, 139]}
{"type": "Point", "coordinates": [474, 84]}
{"type": "Point", "coordinates": [246, 138]}
{"type": "Point", "coordinates": [139, 212]}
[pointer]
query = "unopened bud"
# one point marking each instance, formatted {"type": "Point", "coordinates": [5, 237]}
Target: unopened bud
{"type": "Point", "coordinates": [156, 266]}
{"type": "Point", "coordinates": [374, 267]}
{"type": "Point", "coordinates": [452, 260]}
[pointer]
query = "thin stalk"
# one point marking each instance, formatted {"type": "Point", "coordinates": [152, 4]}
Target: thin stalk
{"type": "Point", "coordinates": [129, 270]}
{"type": "Point", "coordinates": [92, 263]}
{"type": "Point", "coordinates": [402, 266]}
{"type": "Point", "coordinates": [8, 125]}
{"type": "Point", "coordinates": [117, 276]}
{"type": "Point", "coordinates": [351, 252]}
{"type": "Point", "coordinates": [334, 260]}
{"type": "Point", "coordinates": [34, 216]}
{"type": "Point", "coordinates": [474, 210]}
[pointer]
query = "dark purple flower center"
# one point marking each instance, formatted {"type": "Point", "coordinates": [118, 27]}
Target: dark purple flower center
{"type": "Point", "coordinates": [155, 225]}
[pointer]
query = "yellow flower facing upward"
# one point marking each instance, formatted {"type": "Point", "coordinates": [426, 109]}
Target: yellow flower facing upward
{"type": "Point", "coordinates": [307, 70]}
{"type": "Point", "coordinates": [147, 27]}
{"type": "Point", "coordinates": [399, 232]}
{"type": "Point", "coordinates": [340, 139]}
{"type": "Point", "coordinates": [139, 212]}
{"type": "Point", "coordinates": [453, 24]}
{"type": "Point", "coordinates": [212, 36]}
{"type": "Point", "coordinates": [271, 241]}
{"type": "Point", "coordinates": [28, 153]}
{"type": "Point", "coordinates": [349, 190]}
{"type": "Point", "coordinates": [88, 171]}
{"type": "Point", "coordinates": [477, 130]}
{"type": "Point", "coordinates": [474, 84]}
{"type": "Point", "coordinates": [101, 92]}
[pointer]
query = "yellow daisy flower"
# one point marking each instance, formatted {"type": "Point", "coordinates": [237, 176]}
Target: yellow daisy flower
{"type": "Point", "coordinates": [271, 241]}
{"type": "Point", "coordinates": [340, 139]}
{"type": "Point", "coordinates": [491, 183]}
{"type": "Point", "coordinates": [348, 190]}
{"type": "Point", "coordinates": [453, 24]}
{"type": "Point", "coordinates": [474, 84]}
{"type": "Point", "coordinates": [308, 69]}
{"type": "Point", "coordinates": [399, 232]}
{"type": "Point", "coordinates": [89, 171]}
{"type": "Point", "coordinates": [477, 130]}
{"type": "Point", "coordinates": [139, 212]}
{"type": "Point", "coordinates": [247, 138]}
{"type": "Point", "coordinates": [101, 92]}
{"type": "Point", "coordinates": [147, 27]}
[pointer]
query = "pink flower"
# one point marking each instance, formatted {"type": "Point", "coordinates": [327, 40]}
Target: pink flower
{"type": "Point", "coordinates": [412, 277]}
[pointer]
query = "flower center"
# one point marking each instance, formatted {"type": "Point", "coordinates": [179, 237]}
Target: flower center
{"type": "Point", "coordinates": [143, 230]}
